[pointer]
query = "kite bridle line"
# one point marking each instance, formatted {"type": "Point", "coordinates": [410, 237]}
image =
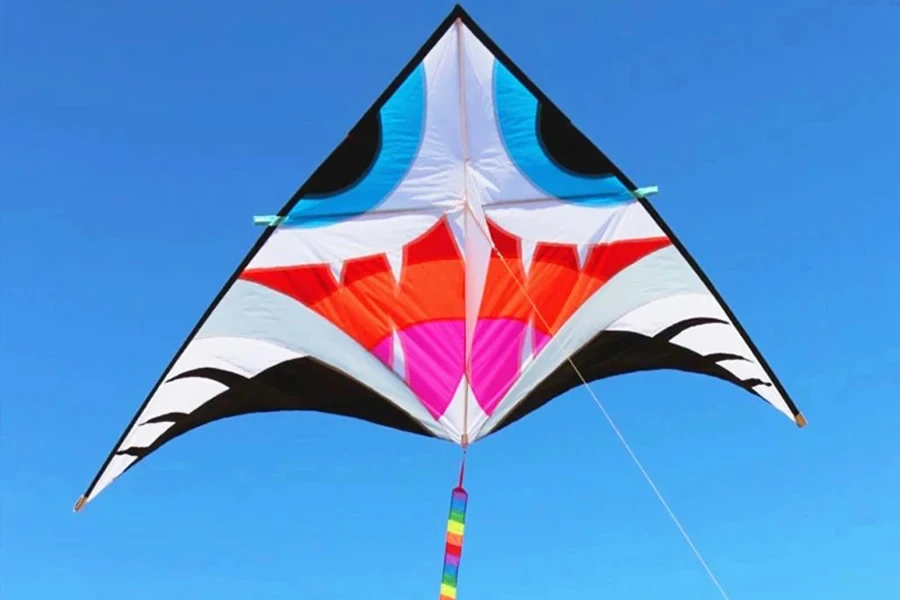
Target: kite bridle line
{"type": "Point", "coordinates": [606, 415]}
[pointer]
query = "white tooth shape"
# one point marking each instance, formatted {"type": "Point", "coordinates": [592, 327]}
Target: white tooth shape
{"type": "Point", "coordinates": [337, 269]}
{"type": "Point", "coordinates": [395, 260]}
{"type": "Point", "coordinates": [583, 250]}
{"type": "Point", "coordinates": [463, 400]}
{"type": "Point", "coordinates": [399, 365]}
{"type": "Point", "coordinates": [528, 249]}
{"type": "Point", "coordinates": [457, 224]}
{"type": "Point", "coordinates": [527, 347]}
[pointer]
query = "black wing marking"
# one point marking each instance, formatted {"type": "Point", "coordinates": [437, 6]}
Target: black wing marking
{"type": "Point", "coordinates": [297, 384]}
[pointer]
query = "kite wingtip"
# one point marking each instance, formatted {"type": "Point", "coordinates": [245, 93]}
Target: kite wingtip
{"type": "Point", "coordinates": [80, 504]}
{"type": "Point", "coordinates": [801, 420]}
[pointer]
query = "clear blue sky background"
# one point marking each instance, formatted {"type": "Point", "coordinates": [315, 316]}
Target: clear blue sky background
{"type": "Point", "coordinates": [138, 140]}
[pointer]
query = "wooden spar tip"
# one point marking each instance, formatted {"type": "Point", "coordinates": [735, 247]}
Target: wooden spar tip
{"type": "Point", "coordinates": [801, 420]}
{"type": "Point", "coordinates": [80, 504]}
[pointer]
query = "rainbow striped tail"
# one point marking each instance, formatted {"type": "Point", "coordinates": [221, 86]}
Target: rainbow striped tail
{"type": "Point", "coordinates": [455, 526]}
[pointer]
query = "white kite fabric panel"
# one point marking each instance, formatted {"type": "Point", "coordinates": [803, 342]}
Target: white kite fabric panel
{"type": "Point", "coordinates": [440, 271]}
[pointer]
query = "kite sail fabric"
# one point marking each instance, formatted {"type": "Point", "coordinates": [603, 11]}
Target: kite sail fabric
{"type": "Point", "coordinates": [444, 269]}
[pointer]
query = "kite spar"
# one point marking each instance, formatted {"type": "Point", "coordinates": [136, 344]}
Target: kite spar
{"type": "Point", "coordinates": [463, 257]}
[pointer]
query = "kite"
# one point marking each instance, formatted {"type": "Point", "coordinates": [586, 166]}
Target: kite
{"type": "Point", "coordinates": [463, 257]}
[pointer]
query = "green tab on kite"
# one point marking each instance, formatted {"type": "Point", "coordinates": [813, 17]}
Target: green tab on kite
{"type": "Point", "coordinates": [267, 220]}
{"type": "Point", "coordinates": [643, 192]}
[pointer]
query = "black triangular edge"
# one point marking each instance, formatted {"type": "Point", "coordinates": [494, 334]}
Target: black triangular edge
{"type": "Point", "coordinates": [457, 13]}
{"type": "Point", "coordinates": [542, 97]}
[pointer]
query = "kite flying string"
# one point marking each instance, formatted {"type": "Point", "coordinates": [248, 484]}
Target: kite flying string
{"type": "Point", "coordinates": [662, 500]}
{"type": "Point", "coordinates": [612, 424]}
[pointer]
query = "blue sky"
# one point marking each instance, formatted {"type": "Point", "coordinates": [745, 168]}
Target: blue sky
{"type": "Point", "coordinates": [139, 139]}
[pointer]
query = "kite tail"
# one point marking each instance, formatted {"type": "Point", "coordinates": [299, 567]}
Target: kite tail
{"type": "Point", "coordinates": [459, 499]}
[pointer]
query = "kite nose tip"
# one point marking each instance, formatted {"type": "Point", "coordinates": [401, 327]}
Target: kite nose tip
{"type": "Point", "coordinates": [79, 505]}
{"type": "Point", "coordinates": [801, 420]}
